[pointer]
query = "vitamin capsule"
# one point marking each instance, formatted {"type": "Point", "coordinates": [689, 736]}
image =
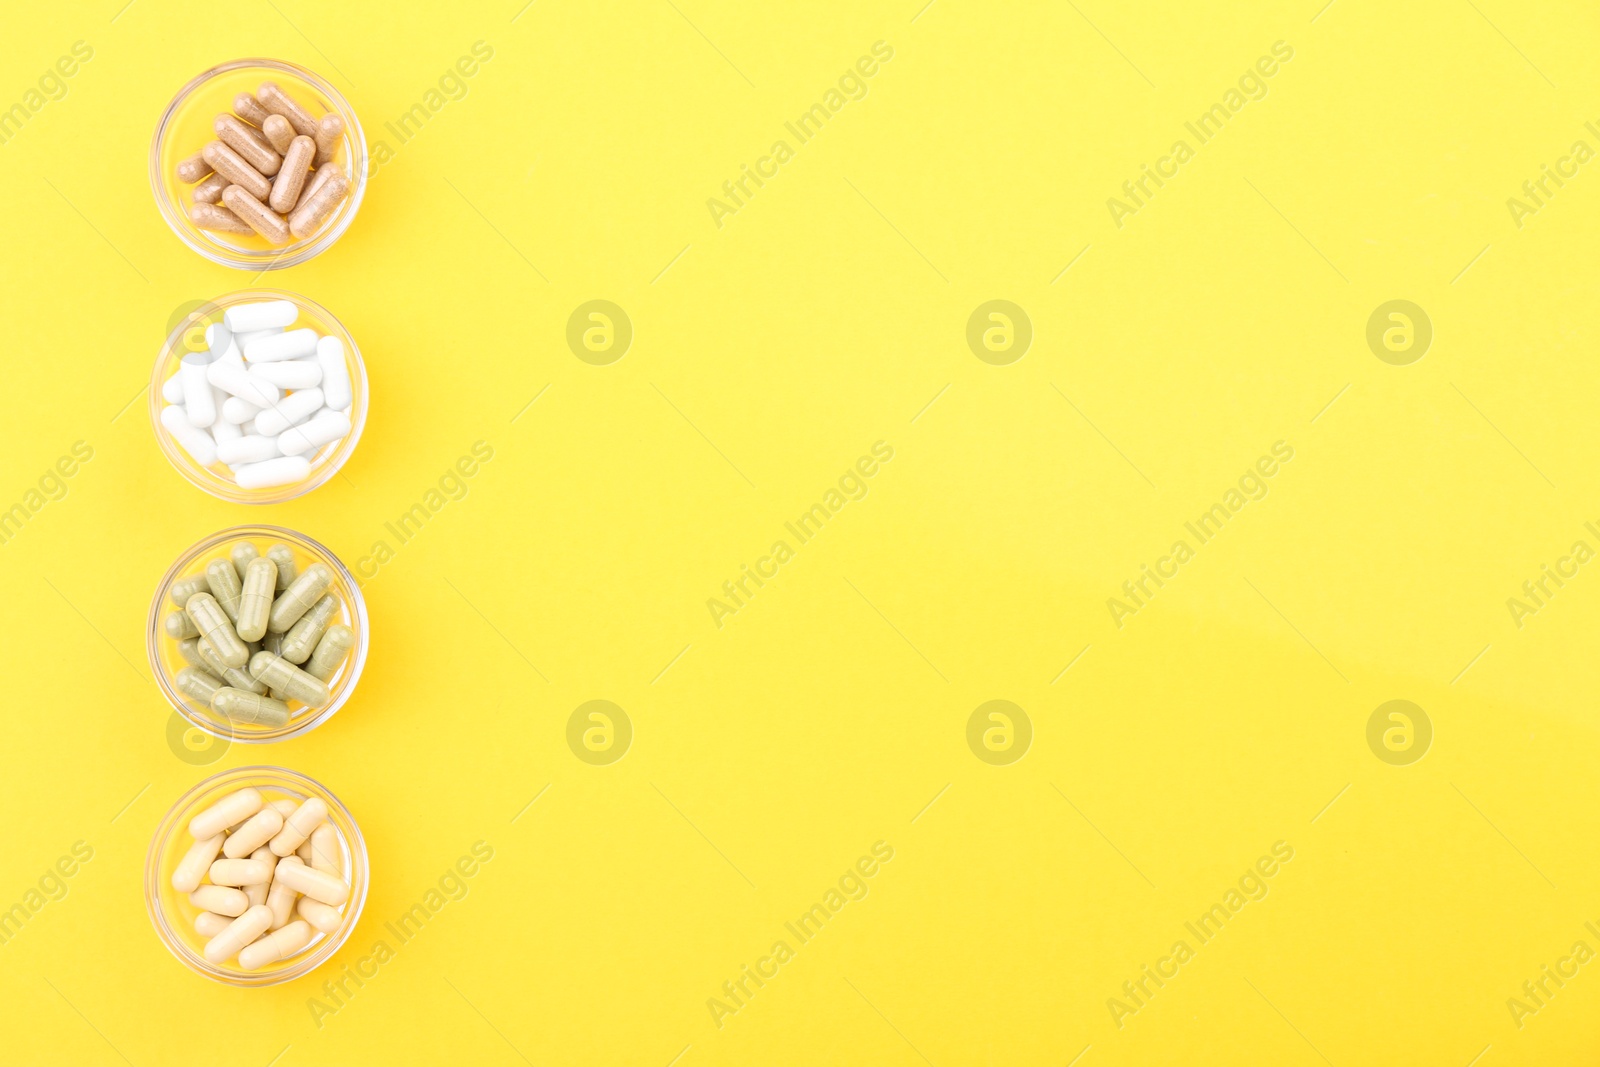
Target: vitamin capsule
{"type": "Point", "coordinates": [319, 914]}
{"type": "Point", "coordinates": [249, 108]}
{"type": "Point", "coordinates": [257, 215]}
{"type": "Point", "coordinates": [255, 832]}
{"type": "Point", "coordinates": [238, 411]}
{"type": "Point", "coordinates": [240, 933]}
{"type": "Point", "coordinates": [225, 586]}
{"type": "Point", "coordinates": [330, 651]}
{"type": "Point", "coordinates": [255, 598]}
{"type": "Point", "coordinates": [233, 808]}
{"type": "Point", "coordinates": [319, 205]}
{"type": "Point", "coordinates": [312, 882]}
{"type": "Point", "coordinates": [210, 190]}
{"type": "Point", "coordinates": [198, 685]}
{"type": "Point", "coordinates": [193, 169]}
{"type": "Point", "coordinates": [172, 390]}
{"type": "Point", "coordinates": [330, 128]}
{"type": "Point", "coordinates": [292, 178]}
{"type": "Point", "coordinates": [223, 432]}
{"type": "Point", "coordinates": [290, 680]}
{"type": "Point", "coordinates": [217, 219]}
{"type": "Point", "coordinates": [241, 872]}
{"type": "Point", "coordinates": [301, 639]}
{"type": "Point", "coordinates": [184, 588]}
{"type": "Point", "coordinates": [251, 145]}
{"type": "Point", "coordinates": [280, 897]}
{"type": "Point", "coordinates": [251, 448]}
{"type": "Point", "coordinates": [335, 373]}
{"type": "Point", "coordinates": [190, 651]}
{"type": "Point", "coordinates": [304, 852]}
{"type": "Point", "coordinates": [296, 600]}
{"type": "Point", "coordinates": [241, 554]}
{"type": "Point", "coordinates": [232, 166]}
{"type": "Point", "coordinates": [292, 344]}
{"type": "Point", "coordinates": [198, 404]}
{"type": "Point", "coordinates": [297, 828]}
{"type": "Point", "coordinates": [186, 877]}
{"type": "Point", "coordinates": [295, 374]}
{"type": "Point", "coordinates": [325, 851]}
{"type": "Point", "coordinates": [231, 375]}
{"type": "Point", "coordinates": [241, 705]}
{"type": "Point", "coordinates": [209, 616]}
{"type": "Point", "coordinates": [234, 677]}
{"type": "Point", "coordinates": [283, 556]}
{"type": "Point", "coordinates": [261, 315]}
{"type": "Point", "coordinates": [258, 892]}
{"type": "Point", "coordinates": [272, 642]}
{"type": "Point", "coordinates": [292, 410]}
{"type": "Point", "coordinates": [285, 470]}
{"type": "Point", "coordinates": [180, 627]}
{"type": "Point", "coordinates": [222, 899]}
{"type": "Point", "coordinates": [279, 102]}
{"type": "Point", "coordinates": [320, 175]}
{"type": "Point", "coordinates": [278, 945]}
{"type": "Point", "coordinates": [201, 448]}
{"type": "Point", "coordinates": [278, 132]}
{"type": "Point", "coordinates": [324, 428]}
{"type": "Point", "coordinates": [210, 924]}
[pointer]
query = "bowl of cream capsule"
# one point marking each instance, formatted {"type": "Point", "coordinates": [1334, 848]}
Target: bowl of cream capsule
{"type": "Point", "coordinates": [258, 396]}
{"type": "Point", "coordinates": [257, 634]}
{"type": "Point", "coordinates": [256, 876]}
{"type": "Point", "coordinates": [258, 164]}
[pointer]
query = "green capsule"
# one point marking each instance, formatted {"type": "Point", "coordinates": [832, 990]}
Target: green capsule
{"type": "Point", "coordinates": [283, 556]}
{"type": "Point", "coordinates": [255, 597]}
{"type": "Point", "coordinates": [184, 588]}
{"type": "Point", "coordinates": [237, 677]}
{"type": "Point", "coordinates": [214, 627]}
{"type": "Point", "coordinates": [331, 651]}
{"type": "Point", "coordinates": [223, 581]}
{"type": "Point", "coordinates": [190, 651]}
{"type": "Point", "coordinates": [241, 705]}
{"type": "Point", "coordinates": [242, 554]}
{"type": "Point", "coordinates": [302, 638]}
{"type": "Point", "coordinates": [198, 685]}
{"type": "Point", "coordinates": [288, 679]}
{"type": "Point", "coordinates": [272, 643]}
{"type": "Point", "coordinates": [296, 600]}
{"type": "Point", "coordinates": [180, 627]}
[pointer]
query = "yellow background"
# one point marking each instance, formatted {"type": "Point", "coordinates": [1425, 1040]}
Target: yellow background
{"type": "Point", "coordinates": [768, 355]}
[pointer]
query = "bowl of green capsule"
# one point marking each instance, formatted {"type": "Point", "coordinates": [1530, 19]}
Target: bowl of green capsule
{"type": "Point", "coordinates": [257, 634]}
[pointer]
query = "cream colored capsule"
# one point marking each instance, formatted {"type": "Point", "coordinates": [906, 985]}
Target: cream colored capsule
{"type": "Point", "coordinates": [249, 108]}
{"type": "Point", "coordinates": [325, 855]}
{"type": "Point", "coordinates": [275, 100]}
{"type": "Point", "coordinates": [210, 924]}
{"type": "Point", "coordinates": [222, 899]}
{"type": "Point", "coordinates": [292, 178]}
{"type": "Point", "coordinates": [319, 914]}
{"type": "Point", "coordinates": [278, 132]}
{"type": "Point", "coordinates": [241, 705]}
{"type": "Point", "coordinates": [255, 832]}
{"type": "Point", "coordinates": [186, 877]}
{"type": "Point", "coordinates": [298, 827]}
{"type": "Point", "coordinates": [302, 638]}
{"type": "Point", "coordinates": [218, 219]}
{"type": "Point", "coordinates": [232, 166]}
{"type": "Point", "coordinates": [258, 892]}
{"type": "Point", "coordinates": [240, 872]}
{"type": "Point", "coordinates": [281, 897]}
{"type": "Point", "coordinates": [296, 600]}
{"type": "Point", "coordinates": [313, 883]}
{"type": "Point", "coordinates": [278, 945]}
{"type": "Point", "coordinates": [329, 129]}
{"type": "Point", "coordinates": [241, 932]}
{"type": "Point", "coordinates": [304, 852]}
{"type": "Point", "coordinates": [284, 806]}
{"type": "Point", "coordinates": [210, 190]}
{"type": "Point", "coordinates": [193, 169]}
{"type": "Point", "coordinates": [216, 629]}
{"type": "Point", "coordinates": [331, 651]}
{"type": "Point", "coordinates": [251, 144]}
{"type": "Point", "coordinates": [257, 215]}
{"type": "Point", "coordinates": [319, 205]}
{"type": "Point", "coordinates": [294, 683]}
{"type": "Point", "coordinates": [235, 807]}
{"type": "Point", "coordinates": [255, 598]}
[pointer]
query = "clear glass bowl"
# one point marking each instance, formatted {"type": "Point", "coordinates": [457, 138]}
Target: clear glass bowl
{"type": "Point", "coordinates": [166, 661]}
{"type": "Point", "coordinates": [172, 914]}
{"type": "Point", "coordinates": [185, 127]}
{"type": "Point", "coordinates": [188, 337]}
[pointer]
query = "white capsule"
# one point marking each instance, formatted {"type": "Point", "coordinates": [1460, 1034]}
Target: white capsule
{"type": "Point", "coordinates": [238, 411]}
{"type": "Point", "coordinates": [292, 410]}
{"type": "Point", "coordinates": [197, 443]}
{"type": "Point", "coordinates": [172, 389]}
{"type": "Point", "coordinates": [242, 318]}
{"type": "Point", "coordinates": [229, 374]}
{"type": "Point", "coordinates": [222, 430]}
{"type": "Point", "coordinates": [195, 863]}
{"type": "Point", "coordinates": [335, 373]}
{"type": "Point", "coordinates": [296, 344]}
{"type": "Point", "coordinates": [198, 405]}
{"type": "Point", "coordinates": [252, 449]}
{"type": "Point", "coordinates": [325, 427]}
{"type": "Point", "coordinates": [290, 373]}
{"type": "Point", "coordinates": [254, 335]}
{"type": "Point", "coordinates": [285, 470]}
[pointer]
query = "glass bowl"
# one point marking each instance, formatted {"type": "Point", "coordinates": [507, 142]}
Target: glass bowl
{"type": "Point", "coordinates": [172, 914]}
{"type": "Point", "coordinates": [188, 339]}
{"type": "Point", "coordinates": [185, 128]}
{"type": "Point", "coordinates": [166, 660]}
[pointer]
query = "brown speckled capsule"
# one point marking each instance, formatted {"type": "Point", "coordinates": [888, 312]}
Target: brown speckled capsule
{"type": "Point", "coordinates": [210, 190]}
{"type": "Point", "coordinates": [320, 204]}
{"type": "Point", "coordinates": [314, 183]}
{"type": "Point", "coordinates": [279, 102]}
{"type": "Point", "coordinates": [286, 187]}
{"type": "Point", "coordinates": [232, 166]}
{"type": "Point", "coordinates": [330, 128]}
{"type": "Point", "coordinates": [193, 169]}
{"type": "Point", "coordinates": [249, 108]}
{"type": "Point", "coordinates": [279, 133]}
{"type": "Point", "coordinates": [249, 142]}
{"type": "Point", "coordinates": [258, 216]}
{"type": "Point", "coordinates": [218, 219]}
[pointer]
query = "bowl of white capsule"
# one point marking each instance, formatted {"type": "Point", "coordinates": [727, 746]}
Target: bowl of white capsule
{"type": "Point", "coordinates": [258, 396]}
